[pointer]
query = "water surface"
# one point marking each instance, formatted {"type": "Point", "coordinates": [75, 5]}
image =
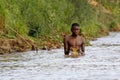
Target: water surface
{"type": "Point", "coordinates": [101, 62]}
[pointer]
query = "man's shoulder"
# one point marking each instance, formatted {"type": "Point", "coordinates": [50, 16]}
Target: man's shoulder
{"type": "Point", "coordinates": [82, 38]}
{"type": "Point", "coordinates": [66, 37]}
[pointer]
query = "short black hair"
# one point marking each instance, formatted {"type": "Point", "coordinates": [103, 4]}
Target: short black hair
{"type": "Point", "coordinates": [74, 24]}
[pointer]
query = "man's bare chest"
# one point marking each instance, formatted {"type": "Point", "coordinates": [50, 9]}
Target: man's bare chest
{"type": "Point", "coordinates": [75, 42]}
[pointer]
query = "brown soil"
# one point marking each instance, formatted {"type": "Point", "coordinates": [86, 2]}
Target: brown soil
{"type": "Point", "coordinates": [16, 45]}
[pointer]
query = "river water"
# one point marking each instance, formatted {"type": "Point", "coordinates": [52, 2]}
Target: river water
{"type": "Point", "coordinates": [101, 62]}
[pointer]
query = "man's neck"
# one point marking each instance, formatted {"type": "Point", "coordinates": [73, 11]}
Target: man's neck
{"type": "Point", "coordinates": [73, 35]}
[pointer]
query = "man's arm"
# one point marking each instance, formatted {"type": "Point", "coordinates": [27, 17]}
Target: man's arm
{"type": "Point", "coordinates": [66, 49]}
{"type": "Point", "coordinates": [83, 46]}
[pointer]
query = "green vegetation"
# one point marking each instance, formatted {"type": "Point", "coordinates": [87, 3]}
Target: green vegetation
{"type": "Point", "coordinates": [44, 20]}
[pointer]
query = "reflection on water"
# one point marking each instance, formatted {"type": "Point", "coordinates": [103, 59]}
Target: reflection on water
{"type": "Point", "coordinates": [101, 62]}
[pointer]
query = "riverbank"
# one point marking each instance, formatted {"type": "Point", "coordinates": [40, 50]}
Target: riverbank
{"type": "Point", "coordinates": [16, 45]}
{"type": "Point", "coordinates": [44, 43]}
{"type": "Point", "coordinates": [26, 24]}
{"type": "Point", "coordinates": [54, 41]}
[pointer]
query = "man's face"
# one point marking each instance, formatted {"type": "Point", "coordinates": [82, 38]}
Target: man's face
{"type": "Point", "coordinates": [75, 30]}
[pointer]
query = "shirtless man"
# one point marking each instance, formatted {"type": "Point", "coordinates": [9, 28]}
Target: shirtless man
{"type": "Point", "coordinates": [74, 41]}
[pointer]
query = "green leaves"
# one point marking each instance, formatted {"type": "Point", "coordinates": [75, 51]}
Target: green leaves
{"type": "Point", "coordinates": [44, 17]}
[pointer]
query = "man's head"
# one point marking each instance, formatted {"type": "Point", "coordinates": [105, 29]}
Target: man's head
{"type": "Point", "coordinates": [75, 29]}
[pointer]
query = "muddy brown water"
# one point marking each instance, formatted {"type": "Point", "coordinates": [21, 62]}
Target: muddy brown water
{"type": "Point", "coordinates": [101, 62]}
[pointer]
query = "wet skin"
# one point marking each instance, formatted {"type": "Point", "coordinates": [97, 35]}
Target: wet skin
{"type": "Point", "coordinates": [74, 41]}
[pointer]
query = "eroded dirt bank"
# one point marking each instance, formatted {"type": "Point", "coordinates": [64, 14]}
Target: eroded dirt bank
{"type": "Point", "coordinates": [16, 45]}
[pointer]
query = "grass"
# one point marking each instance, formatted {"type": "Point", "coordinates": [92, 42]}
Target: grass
{"type": "Point", "coordinates": [47, 20]}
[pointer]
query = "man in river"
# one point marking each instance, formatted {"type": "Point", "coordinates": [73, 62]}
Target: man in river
{"type": "Point", "coordinates": [74, 41]}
